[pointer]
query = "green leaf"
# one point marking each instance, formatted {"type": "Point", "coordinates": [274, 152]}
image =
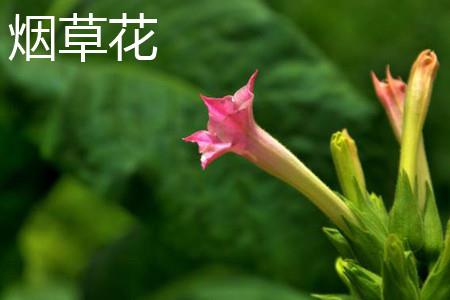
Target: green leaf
{"type": "Point", "coordinates": [332, 297]}
{"type": "Point", "coordinates": [24, 180]}
{"type": "Point", "coordinates": [59, 238]}
{"type": "Point", "coordinates": [229, 49]}
{"type": "Point", "coordinates": [225, 286]}
{"type": "Point", "coordinates": [55, 290]}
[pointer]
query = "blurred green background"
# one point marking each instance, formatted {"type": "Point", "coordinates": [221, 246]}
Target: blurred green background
{"type": "Point", "coordinates": [100, 199]}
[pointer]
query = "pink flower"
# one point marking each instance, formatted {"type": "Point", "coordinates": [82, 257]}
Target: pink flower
{"type": "Point", "coordinates": [230, 123]}
{"type": "Point", "coordinates": [232, 128]}
{"type": "Point", "coordinates": [391, 93]}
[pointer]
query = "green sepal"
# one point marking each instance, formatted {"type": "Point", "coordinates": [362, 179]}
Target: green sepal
{"type": "Point", "coordinates": [411, 267]}
{"type": "Point", "coordinates": [367, 246]}
{"type": "Point", "coordinates": [371, 210]}
{"type": "Point", "coordinates": [367, 237]}
{"type": "Point", "coordinates": [433, 238]}
{"type": "Point", "coordinates": [332, 297]}
{"type": "Point", "coordinates": [437, 285]}
{"type": "Point", "coordinates": [339, 242]}
{"type": "Point", "coordinates": [400, 278]}
{"type": "Point", "coordinates": [405, 219]}
{"type": "Point", "coordinates": [377, 205]}
{"type": "Point", "coordinates": [362, 283]}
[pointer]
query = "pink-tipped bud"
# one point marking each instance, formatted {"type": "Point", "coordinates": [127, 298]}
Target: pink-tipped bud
{"type": "Point", "coordinates": [418, 94]}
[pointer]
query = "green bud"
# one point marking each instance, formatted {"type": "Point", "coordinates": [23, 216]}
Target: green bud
{"type": "Point", "coordinates": [400, 279]}
{"type": "Point", "coordinates": [348, 166]}
{"type": "Point", "coordinates": [437, 285]}
{"type": "Point", "coordinates": [362, 283]}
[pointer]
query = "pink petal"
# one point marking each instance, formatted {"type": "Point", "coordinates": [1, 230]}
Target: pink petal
{"type": "Point", "coordinates": [218, 108]}
{"type": "Point", "coordinates": [209, 146]}
{"type": "Point", "coordinates": [391, 94]}
{"type": "Point", "coordinates": [214, 152]}
{"type": "Point", "coordinates": [244, 96]}
{"type": "Point", "coordinates": [398, 88]}
{"type": "Point", "coordinates": [381, 89]}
